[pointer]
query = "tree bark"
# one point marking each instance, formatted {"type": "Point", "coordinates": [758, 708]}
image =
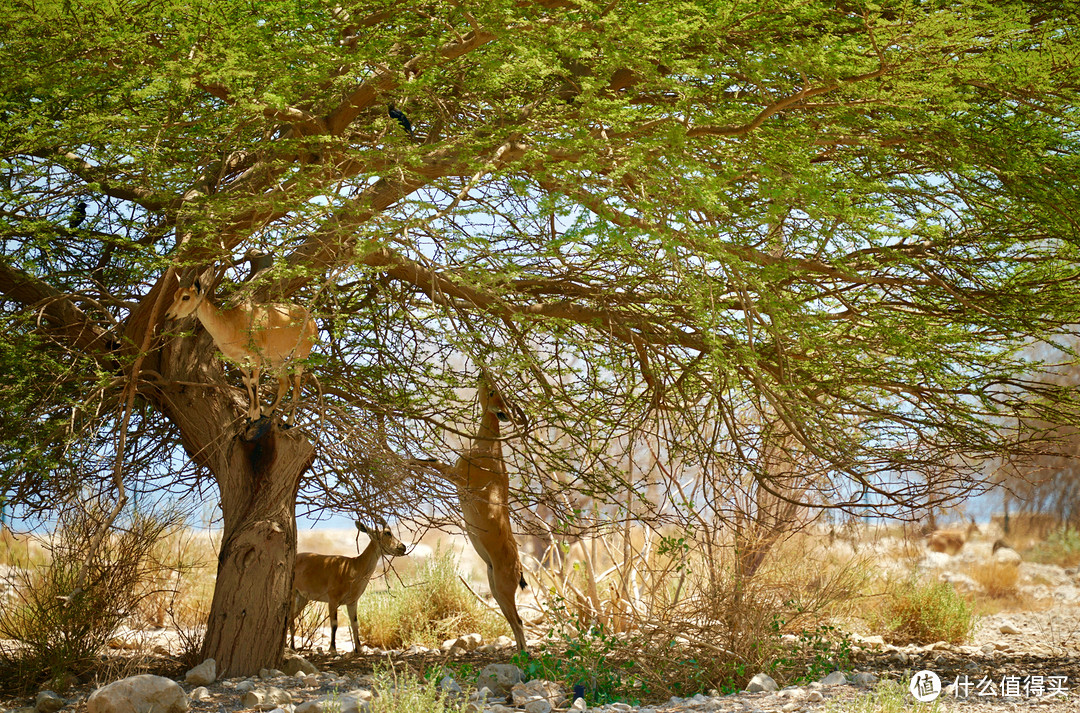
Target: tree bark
{"type": "Point", "coordinates": [257, 468]}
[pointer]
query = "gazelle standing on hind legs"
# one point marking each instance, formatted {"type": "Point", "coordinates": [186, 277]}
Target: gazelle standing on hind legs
{"type": "Point", "coordinates": [337, 580]}
{"type": "Point", "coordinates": [253, 336]}
{"type": "Point", "coordinates": [483, 488]}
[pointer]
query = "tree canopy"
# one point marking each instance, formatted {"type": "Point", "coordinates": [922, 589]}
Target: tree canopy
{"type": "Point", "coordinates": [793, 246]}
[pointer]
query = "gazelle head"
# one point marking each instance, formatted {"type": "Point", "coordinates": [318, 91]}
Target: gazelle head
{"type": "Point", "coordinates": [185, 301]}
{"type": "Point", "coordinates": [492, 401]}
{"type": "Point", "coordinates": [383, 539]}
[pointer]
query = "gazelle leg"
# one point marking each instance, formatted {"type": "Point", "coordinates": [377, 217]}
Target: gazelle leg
{"type": "Point", "coordinates": [295, 394]}
{"type": "Point", "coordinates": [333, 627]}
{"type": "Point", "coordinates": [351, 608]}
{"type": "Point", "coordinates": [299, 602]}
{"type": "Point", "coordinates": [504, 587]}
{"type": "Point", "coordinates": [282, 387]}
{"type": "Point", "coordinates": [251, 382]}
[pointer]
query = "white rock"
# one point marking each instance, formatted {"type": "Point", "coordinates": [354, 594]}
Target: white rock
{"type": "Point", "coordinates": [295, 664]}
{"type": "Point", "coordinates": [540, 705]}
{"type": "Point", "coordinates": [499, 678]}
{"type": "Point", "coordinates": [761, 682]}
{"type": "Point", "coordinates": [550, 691]}
{"type": "Point", "coordinates": [864, 678]}
{"type": "Point", "coordinates": [145, 693]}
{"type": "Point", "coordinates": [265, 699]}
{"type": "Point", "coordinates": [1007, 627]}
{"type": "Point", "coordinates": [815, 697]}
{"type": "Point", "coordinates": [578, 704]}
{"type": "Point", "coordinates": [202, 675]}
{"type": "Point", "coordinates": [836, 678]}
{"type": "Point", "coordinates": [310, 707]}
{"type": "Point", "coordinates": [199, 694]}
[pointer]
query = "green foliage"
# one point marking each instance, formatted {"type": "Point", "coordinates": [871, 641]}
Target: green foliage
{"type": "Point", "coordinates": [588, 656]}
{"type": "Point", "coordinates": [404, 692]}
{"type": "Point", "coordinates": [1061, 547]}
{"type": "Point", "coordinates": [888, 696]}
{"type": "Point", "coordinates": [925, 612]}
{"type": "Point", "coordinates": [816, 653]}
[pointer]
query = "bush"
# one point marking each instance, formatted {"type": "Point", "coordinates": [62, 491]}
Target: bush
{"type": "Point", "coordinates": [407, 693]}
{"type": "Point", "coordinates": [922, 613]}
{"type": "Point", "coordinates": [56, 628]}
{"type": "Point", "coordinates": [1061, 547]}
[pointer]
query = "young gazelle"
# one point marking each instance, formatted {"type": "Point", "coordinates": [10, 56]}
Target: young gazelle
{"type": "Point", "coordinates": [253, 336]}
{"type": "Point", "coordinates": [337, 580]}
{"type": "Point", "coordinates": [483, 488]}
{"type": "Point", "coordinates": [952, 540]}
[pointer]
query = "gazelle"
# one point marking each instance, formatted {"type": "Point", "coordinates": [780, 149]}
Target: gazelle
{"type": "Point", "coordinates": [952, 540]}
{"type": "Point", "coordinates": [254, 336]}
{"type": "Point", "coordinates": [337, 580]}
{"type": "Point", "coordinates": [483, 489]}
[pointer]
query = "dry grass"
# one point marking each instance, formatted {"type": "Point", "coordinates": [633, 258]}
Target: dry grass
{"type": "Point", "coordinates": [70, 607]}
{"type": "Point", "coordinates": [998, 580]}
{"type": "Point", "coordinates": [432, 605]}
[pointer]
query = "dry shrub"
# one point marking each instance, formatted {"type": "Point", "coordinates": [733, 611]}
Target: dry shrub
{"type": "Point", "coordinates": [997, 579]}
{"type": "Point", "coordinates": [662, 614]}
{"type": "Point", "coordinates": [432, 605]}
{"type": "Point", "coordinates": [55, 628]}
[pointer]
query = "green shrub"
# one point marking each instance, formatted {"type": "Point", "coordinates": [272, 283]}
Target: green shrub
{"type": "Point", "coordinates": [406, 693]}
{"type": "Point", "coordinates": [1061, 547]}
{"type": "Point", "coordinates": [922, 613]}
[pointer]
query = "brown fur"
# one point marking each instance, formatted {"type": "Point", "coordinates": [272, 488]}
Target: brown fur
{"type": "Point", "coordinates": [952, 540]}
{"type": "Point", "coordinates": [254, 336]}
{"type": "Point", "coordinates": [337, 580]}
{"type": "Point", "coordinates": [483, 488]}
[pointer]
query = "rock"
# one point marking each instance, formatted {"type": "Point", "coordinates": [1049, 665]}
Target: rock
{"type": "Point", "coordinates": [836, 678]}
{"type": "Point", "coordinates": [265, 699]}
{"type": "Point", "coordinates": [48, 702]}
{"type": "Point", "coordinates": [1007, 627]}
{"type": "Point", "coordinates": [791, 707]}
{"type": "Point", "coordinates": [1007, 555]}
{"type": "Point", "coordinates": [247, 685]}
{"type": "Point", "coordinates": [145, 693]}
{"type": "Point", "coordinates": [864, 679]}
{"type": "Point", "coordinates": [497, 708]}
{"type": "Point", "coordinates": [199, 694]}
{"type": "Point", "coordinates": [578, 705]}
{"type": "Point", "coordinates": [762, 682]}
{"type": "Point", "coordinates": [814, 697]}
{"type": "Point", "coordinates": [540, 705]}
{"type": "Point", "coordinates": [538, 688]}
{"type": "Point", "coordinates": [202, 675]}
{"type": "Point", "coordinates": [309, 707]}
{"type": "Point", "coordinates": [500, 678]}
{"type": "Point", "coordinates": [298, 664]}
{"type": "Point", "coordinates": [268, 673]}
{"type": "Point", "coordinates": [449, 685]}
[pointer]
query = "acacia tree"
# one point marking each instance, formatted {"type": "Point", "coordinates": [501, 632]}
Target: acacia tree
{"type": "Point", "coordinates": [734, 227]}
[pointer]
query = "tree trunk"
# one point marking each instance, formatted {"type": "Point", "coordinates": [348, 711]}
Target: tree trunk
{"type": "Point", "coordinates": [257, 469]}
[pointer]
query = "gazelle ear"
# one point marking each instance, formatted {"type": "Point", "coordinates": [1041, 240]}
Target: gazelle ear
{"type": "Point", "coordinates": [360, 527]}
{"type": "Point", "coordinates": [198, 286]}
